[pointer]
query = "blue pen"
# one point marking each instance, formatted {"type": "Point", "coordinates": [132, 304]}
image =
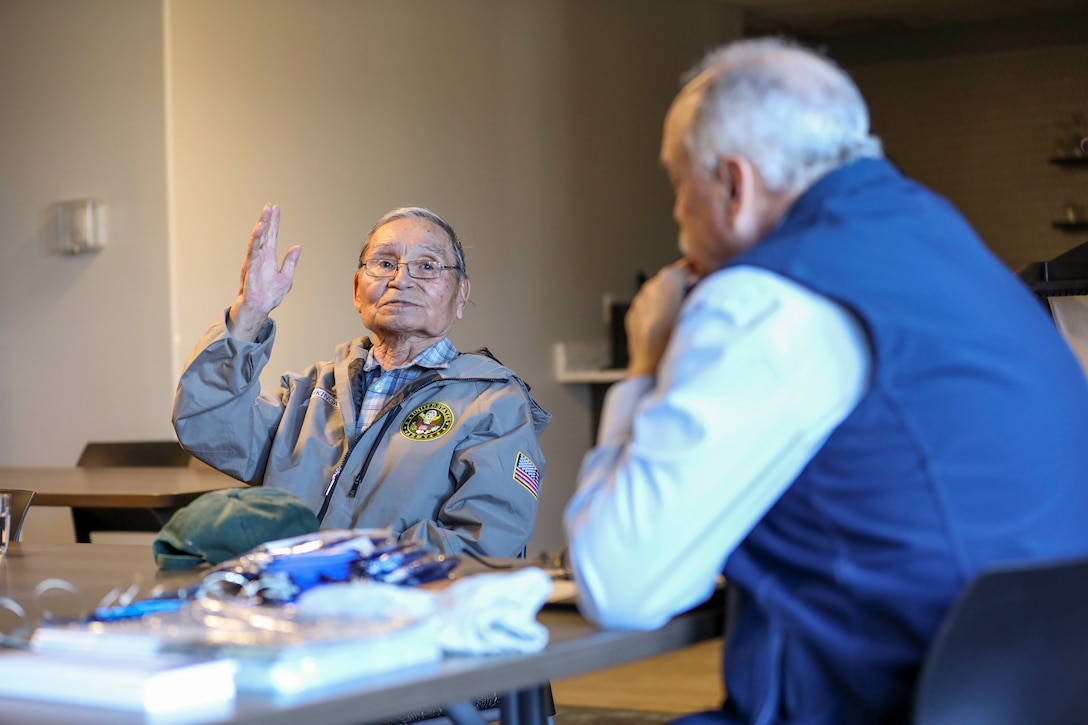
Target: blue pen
{"type": "Point", "coordinates": [136, 609]}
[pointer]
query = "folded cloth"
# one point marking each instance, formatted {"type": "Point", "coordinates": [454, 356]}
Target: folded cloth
{"type": "Point", "coordinates": [495, 613]}
{"type": "Point", "coordinates": [364, 600]}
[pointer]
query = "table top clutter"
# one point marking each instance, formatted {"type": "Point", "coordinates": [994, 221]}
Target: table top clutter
{"type": "Point", "coordinates": [97, 570]}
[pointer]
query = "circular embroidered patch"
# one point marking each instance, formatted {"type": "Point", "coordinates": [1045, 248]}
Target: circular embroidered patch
{"type": "Point", "coordinates": [427, 422]}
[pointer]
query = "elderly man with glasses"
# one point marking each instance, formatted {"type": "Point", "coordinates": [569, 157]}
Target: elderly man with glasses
{"type": "Point", "coordinates": [399, 429]}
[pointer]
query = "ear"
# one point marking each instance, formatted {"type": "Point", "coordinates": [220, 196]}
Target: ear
{"type": "Point", "coordinates": [355, 292]}
{"type": "Point", "coordinates": [465, 288]}
{"type": "Point", "coordinates": [742, 193]}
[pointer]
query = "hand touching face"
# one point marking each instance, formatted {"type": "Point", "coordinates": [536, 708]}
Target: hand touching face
{"type": "Point", "coordinates": [652, 316]}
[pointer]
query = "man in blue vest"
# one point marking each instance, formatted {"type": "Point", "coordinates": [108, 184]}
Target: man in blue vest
{"type": "Point", "coordinates": [838, 398]}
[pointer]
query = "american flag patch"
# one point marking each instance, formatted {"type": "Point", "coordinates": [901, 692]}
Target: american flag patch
{"type": "Point", "coordinates": [526, 473]}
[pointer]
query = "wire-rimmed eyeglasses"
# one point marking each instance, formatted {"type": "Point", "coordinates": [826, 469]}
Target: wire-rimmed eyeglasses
{"type": "Point", "coordinates": [417, 269]}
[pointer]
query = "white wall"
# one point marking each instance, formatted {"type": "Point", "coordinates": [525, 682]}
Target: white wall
{"type": "Point", "coordinates": [84, 340]}
{"type": "Point", "coordinates": [532, 126]}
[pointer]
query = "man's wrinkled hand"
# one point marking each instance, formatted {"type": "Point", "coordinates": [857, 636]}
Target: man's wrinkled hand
{"type": "Point", "coordinates": [264, 281]}
{"type": "Point", "coordinates": [652, 316]}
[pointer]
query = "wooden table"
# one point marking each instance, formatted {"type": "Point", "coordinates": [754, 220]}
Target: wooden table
{"type": "Point", "coordinates": [575, 646]}
{"type": "Point", "coordinates": [116, 499]}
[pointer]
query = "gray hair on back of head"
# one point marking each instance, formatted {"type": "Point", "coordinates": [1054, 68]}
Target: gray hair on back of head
{"type": "Point", "coordinates": [422, 214]}
{"type": "Point", "coordinates": [794, 121]}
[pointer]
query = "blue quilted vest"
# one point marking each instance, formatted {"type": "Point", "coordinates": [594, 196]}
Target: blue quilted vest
{"type": "Point", "coordinates": [970, 446]}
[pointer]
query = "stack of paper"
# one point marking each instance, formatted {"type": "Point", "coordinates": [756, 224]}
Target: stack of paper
{"type": "Point", "coordinates": [153, 684]}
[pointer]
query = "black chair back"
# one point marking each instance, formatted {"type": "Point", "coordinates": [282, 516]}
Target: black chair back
{"type": "Point", "coordinates": [146, 454]}
{"type": "Point", "coordinates": [1013, 650]}
{"type": "Point", "coordinates": [134, 453]}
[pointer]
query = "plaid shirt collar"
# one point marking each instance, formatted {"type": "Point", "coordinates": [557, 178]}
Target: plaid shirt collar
{"type": "Point", "coordinates": [438, 355]}
{"type": "Point", "coordinates": [375, 386]}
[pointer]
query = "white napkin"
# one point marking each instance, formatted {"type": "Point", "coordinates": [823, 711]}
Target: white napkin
{"type": "Point", "coordinates": [494, 613]}
{"type": "Point", "coordinates": [362, 600]}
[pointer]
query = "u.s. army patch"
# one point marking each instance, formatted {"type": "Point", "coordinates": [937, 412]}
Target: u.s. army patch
{"type": "Point", "coordinates": [427, 422]}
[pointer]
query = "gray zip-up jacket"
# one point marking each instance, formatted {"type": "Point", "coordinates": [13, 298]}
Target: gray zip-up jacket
{"type": "Point", "coordinates": [452, 460]}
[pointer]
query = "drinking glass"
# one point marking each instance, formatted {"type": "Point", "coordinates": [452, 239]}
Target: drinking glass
{"type": "Point", "coordinates": [5, 522]}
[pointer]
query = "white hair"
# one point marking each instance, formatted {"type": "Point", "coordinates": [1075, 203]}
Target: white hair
{"type": "Point", "coordinates": [421, 214]}
{"type": "Point", "coordinates": [792, 113]}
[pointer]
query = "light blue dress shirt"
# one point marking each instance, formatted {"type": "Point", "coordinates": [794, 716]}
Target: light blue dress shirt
{"type": "Point", "coordinates": [758, 373]}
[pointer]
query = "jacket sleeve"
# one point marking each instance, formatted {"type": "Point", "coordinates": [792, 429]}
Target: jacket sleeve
{"type": "Point", "coordinates": [492, 512]}
{"type": "Point", "coordinates": [220, 414]}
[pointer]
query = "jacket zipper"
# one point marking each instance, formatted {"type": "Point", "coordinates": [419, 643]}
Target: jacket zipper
{"type": "Point", "coordinates": [332, 482]}
{"type": "Point", "coordinates": [389, 418]}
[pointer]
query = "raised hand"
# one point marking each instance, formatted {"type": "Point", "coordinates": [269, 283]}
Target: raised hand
{"type": "Point", "coordinates": [264, 281]}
